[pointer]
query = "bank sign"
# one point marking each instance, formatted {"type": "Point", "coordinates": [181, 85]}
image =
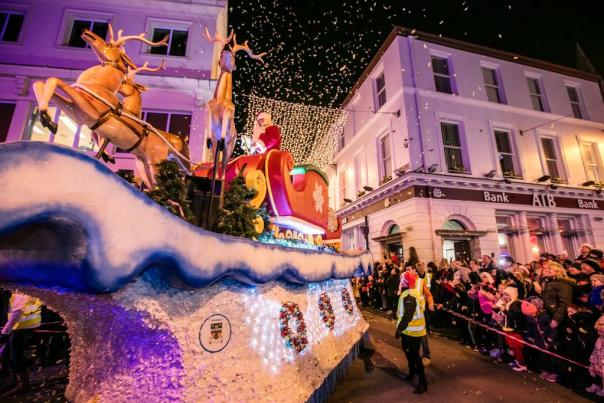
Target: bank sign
{"type": "Point", "coordinates": [535, 199]}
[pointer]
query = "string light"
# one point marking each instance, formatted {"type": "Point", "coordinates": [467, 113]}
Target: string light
{"type": "Point", "coordinates": [263, 321]}
{"type": "Point", "coordinates": [309, 133]}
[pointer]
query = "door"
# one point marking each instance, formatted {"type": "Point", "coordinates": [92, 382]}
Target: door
{"type": "Point", "coordinates": [462, 250]}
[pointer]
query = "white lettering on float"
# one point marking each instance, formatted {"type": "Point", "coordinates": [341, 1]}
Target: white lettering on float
{"type": "Point", "coordinates": [495, 197]}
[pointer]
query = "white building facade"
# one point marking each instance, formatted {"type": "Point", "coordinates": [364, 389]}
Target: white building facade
{"type": "Point", "coordinates": [41, 39]}
{"type": "Point", "coordinates": [460, 150]}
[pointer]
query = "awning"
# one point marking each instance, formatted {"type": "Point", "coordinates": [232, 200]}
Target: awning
{"type": "Point", "coordinates": [452, 233]}
{"type": "Point", "coordinates": [392, 237]}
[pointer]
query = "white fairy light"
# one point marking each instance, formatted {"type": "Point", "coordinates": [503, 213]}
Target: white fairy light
{"type": "Point", "coordinates": [309, 133]}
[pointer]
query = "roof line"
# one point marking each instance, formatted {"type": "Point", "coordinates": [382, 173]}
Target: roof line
{"type": "Point", "coordinates": [468, 47]}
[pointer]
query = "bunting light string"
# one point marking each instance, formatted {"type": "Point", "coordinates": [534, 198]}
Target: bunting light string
{"type": "Point", "coordinates": [309, 133]}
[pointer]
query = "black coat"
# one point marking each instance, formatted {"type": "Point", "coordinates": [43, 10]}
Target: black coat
{"type": "Point", "coordinates": [557, 294]}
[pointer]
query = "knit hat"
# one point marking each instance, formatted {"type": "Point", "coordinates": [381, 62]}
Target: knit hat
{"type": "Point", "coordinates": [528, 309]}
{"type": "Point", "coordinates": [486, 276]}
{"type": "Point", "coordinates": [592, 263]}
{"type": "Point", "coordinates": [597, 277]}
{"type": "Point", "coordinates": [586, 245]}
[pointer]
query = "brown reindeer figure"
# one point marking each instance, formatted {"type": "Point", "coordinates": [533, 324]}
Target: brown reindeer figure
{"type": "Point", "coordinates": [128, 132]}
{"type": "Point", "coordinates": [94, 93]}
{"type": "Point", "coordinates": [221, 109]}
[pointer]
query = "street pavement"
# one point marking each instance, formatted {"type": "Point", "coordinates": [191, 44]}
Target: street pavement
{"type": "Point", "coordinates": [457, 374]}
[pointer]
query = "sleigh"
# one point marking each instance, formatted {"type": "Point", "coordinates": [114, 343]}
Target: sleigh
{"type": "Point", "coordinates": [297, 196]}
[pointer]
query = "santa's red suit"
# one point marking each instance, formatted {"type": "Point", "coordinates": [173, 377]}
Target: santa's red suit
{"type": "Point", "coordinates": [271, 138]}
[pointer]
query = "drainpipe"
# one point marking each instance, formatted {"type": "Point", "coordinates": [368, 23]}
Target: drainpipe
{"type": "Point", "coordinates": [366, 232]}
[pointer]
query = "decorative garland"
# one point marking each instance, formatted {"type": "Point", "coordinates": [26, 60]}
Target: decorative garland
{"type": "Point", "coordinates": [326, 310]}
{"type": "Point", "coordinates": [347, 302]}
{"type": "Point", "coordinates": [297, 340]}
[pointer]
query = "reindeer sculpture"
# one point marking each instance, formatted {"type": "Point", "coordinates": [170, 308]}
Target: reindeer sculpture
{"type": "Point", "coordinates": [221, 109]}
{"type": "Point", "coordinates": [95, 92]}
{"type": "Point", "coordinates": [127, 131]}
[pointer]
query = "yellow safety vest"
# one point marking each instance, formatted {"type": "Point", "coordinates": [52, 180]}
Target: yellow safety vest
{"type": "Point", "coordinates": [32, 313]}
{"type": "Point", "coordinates": [419, 287]}
{"type": "Point", "coordinates": [417, 326]}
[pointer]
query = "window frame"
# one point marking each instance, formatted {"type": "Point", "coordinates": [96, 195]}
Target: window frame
{"type": "Point", "coordinates": [5, 25]}
{"type": "Point", "coordinates": [544, 160]}
{"type": "Point", "coordinates": [541, 95]}
{"type": "Point", "coordinates": [342, 180]}
{"type": "Point", "coordinates": [597, 164]}
{"type": "Point", "coordinates": [382, 168]}
{"type": "Point", "coordinates": [450, 76]}
{"type": "Point", "coordinates": [171, 25]}
{"type": "Point", "coordinates": [517, 174]}
{"type": "Point", "coordinates": [378, 92]}
{"type": "Point", "coordinates": [580, 102]}
{"type": "Point", "coordinates": [496, 73]}
{"type": "Point", "coordinates": [71, 15]}
{"type": "Point", "coordinates": [463, 146]}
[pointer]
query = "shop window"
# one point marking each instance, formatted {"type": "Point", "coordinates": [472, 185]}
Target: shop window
{"type": "Point", "coordinates": [6, 116]}
{"type": "Point", "coordinates": [68, 134]}
{"type": "Point", "coordinates": [177, 123]}
{"type": "Point", "coordinates": [453, 148]}
{"type": "Point", "coordinates": [442, 75]}
{"type": "Point", "coordinates": [10, 26]}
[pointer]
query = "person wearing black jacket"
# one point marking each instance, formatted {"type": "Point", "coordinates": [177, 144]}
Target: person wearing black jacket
{"type": "Point", "coordinates": [411, 328]}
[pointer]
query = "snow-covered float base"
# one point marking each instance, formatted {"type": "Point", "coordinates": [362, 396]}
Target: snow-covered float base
{"type": "Point", "coordinates": [145, 341]}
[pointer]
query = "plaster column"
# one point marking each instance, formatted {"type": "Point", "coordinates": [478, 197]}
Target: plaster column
{"type": "Point", "coordinates": [197, 138]}
{"type": "Point", "coordinates": [20, 119]}
{"type": "Point", "coordinates": [555, 235]}
{"type": "Point", "coordinates": [525, 238]}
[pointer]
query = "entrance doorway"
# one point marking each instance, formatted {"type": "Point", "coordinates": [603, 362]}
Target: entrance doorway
{"type": "Point", "coordinates": [457, 245]}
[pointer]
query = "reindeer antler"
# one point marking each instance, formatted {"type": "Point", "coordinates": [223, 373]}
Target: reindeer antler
{"type": "Point", "coordinates": [237, 47]}
{"type": "Point", "coordinates": [217, 37]}
{"type": "Point", "coordinates": [123, 39]}
{"type": "Point", "coordinates": [111, 37]}
{"type": "Point", "coordinates": [132, 72]}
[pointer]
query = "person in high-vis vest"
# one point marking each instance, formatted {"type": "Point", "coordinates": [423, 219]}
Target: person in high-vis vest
{"type": "Point", "coordinates": [24, 315]}
{"type": "Point", "coordinates": [422, 286]}
{"type": "Point", "coordinates": [411, 327]}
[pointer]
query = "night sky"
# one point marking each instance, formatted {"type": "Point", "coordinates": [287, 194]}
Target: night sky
{"type": "Point", "coordinates": [318, 49]}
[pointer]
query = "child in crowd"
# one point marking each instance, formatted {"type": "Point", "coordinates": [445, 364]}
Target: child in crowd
{"type": "Point", "coordinates": [596, 366]}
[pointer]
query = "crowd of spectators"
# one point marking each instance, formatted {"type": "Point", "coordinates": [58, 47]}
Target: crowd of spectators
{"type": "Point", "coordinates": [553, 303]}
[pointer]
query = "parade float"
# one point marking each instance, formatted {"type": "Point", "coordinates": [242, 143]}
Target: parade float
{"type": "Point", "coordinates": [157, 308]}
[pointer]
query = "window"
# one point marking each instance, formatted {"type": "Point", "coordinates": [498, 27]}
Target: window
{"type": "Point", "coordinates": [505, 153]}
{"type": "Point", "coordinates": [442, 74]}
{"type": "Point", "coordinates": [385, 156]}
{"type": "Point", "coordinates": [177, 42]}
{"type": "Point", "coordinates": [551, 158]}
{"type": "Point", "coordinates": [342, 181]}
{"type": "Point", "coordinates": [6, 116]}
{"type": "Point", "coordinates": [380, 91]}
{"type": "Point", "coordinates": [341, 141]}
{"type": "Point", "coordinates": [10, 26]}
{"type": "Point", "coordinates": [68, 134]}
{"type": "Point", "coordinates": [177, 123]}
{"type": "Point", "coordinates": [536, 93]}
{"type": "Point", "coordinates": [453, 147]}
{"type": "Point", "coordinates": [591, 161]}
{"type": "Point", "coordinates": [78, 25]}
{"type": "Point", "coordinates": [575, 101]}
{"type": "Point", "coordinates": [492, 85]}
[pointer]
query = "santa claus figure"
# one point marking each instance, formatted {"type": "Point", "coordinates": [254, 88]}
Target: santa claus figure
{"type": "Point", "coordinates": [266, 135]}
